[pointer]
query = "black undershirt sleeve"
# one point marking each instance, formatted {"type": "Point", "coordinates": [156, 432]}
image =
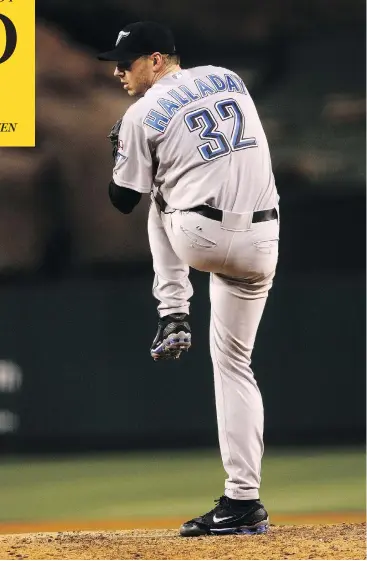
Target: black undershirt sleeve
{"type": "Point", "coordinates": [123, 198]}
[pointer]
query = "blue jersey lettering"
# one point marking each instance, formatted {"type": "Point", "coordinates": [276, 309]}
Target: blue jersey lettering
{"type": "Point", "coordinates": [156, 120]}
{"type": "Point", "coordinates": [217, 82]}
{"type": "Point", "coordinates": [204, 88]}
{"type": "Point", "coordinates": [170, 107]}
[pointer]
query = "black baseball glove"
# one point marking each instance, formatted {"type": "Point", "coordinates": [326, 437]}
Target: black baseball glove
{"type": "Point", "coordinates": [114, 137]}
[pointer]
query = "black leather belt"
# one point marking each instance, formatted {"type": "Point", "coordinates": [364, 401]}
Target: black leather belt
{"type": "Point", "coordinates": [216, 214]}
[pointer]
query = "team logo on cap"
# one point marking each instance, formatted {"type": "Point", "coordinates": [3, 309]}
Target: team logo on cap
{"type": "Point", "coordinates": [121, 35]}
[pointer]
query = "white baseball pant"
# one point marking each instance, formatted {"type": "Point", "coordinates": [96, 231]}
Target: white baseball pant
{"type": "Point", "coordinates": [241, 257]}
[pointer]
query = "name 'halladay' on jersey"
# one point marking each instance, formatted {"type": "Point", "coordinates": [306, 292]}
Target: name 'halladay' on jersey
{"type": "Point", "coordinates": [196, 136]}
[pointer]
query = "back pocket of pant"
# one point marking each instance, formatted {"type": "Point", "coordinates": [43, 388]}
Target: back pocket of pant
{"type": "Point", "coordinates": [198, 239]}
{"type": "Point", "coordinates": [266, 246]}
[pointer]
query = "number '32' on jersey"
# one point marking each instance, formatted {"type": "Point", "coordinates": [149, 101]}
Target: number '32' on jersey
{"type": "Point", "coordinates": [196, 135]}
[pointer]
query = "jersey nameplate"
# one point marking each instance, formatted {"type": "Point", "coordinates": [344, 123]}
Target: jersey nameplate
{"type": "Point", "coordinates": [182, 96]}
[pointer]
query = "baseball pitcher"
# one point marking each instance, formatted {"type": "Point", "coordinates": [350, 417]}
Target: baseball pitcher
{"type": "Point", "coordinates": [194, 141]}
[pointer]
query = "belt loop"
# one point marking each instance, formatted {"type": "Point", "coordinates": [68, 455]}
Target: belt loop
{"type": "Point", "coordinates": [157, 206]}
{"type": "Point", "coordinates": [237, 222]}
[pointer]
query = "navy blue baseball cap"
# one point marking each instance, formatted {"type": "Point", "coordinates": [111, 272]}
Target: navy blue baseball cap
{"type": "Point", "coordinates": [141, 38]}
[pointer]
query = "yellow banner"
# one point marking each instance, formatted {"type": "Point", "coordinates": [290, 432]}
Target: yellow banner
{"type": "Point", "coordinates": [17, 73]}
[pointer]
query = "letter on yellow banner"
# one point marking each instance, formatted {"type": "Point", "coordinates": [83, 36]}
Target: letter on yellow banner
{"type": "Point", "coordinates": [17, 73]}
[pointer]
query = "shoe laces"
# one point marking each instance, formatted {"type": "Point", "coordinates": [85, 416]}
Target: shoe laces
{"type": "Point", "coordinates": [225, 503]}
{"type": "Point", "coordinates": [220, 502]}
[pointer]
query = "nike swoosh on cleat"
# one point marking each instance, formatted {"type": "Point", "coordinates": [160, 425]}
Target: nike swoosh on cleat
{"type": "Point", "coordinates": [216, 520]}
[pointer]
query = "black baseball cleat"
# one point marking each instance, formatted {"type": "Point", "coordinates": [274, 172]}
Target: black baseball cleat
{"type": "Point", "coordinates": [173, 337]}
{"type": "Point", "coordinates": [227, 517]}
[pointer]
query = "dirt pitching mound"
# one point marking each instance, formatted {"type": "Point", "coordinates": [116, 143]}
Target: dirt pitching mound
{"type": "Point", "coordinates": [337, 541]}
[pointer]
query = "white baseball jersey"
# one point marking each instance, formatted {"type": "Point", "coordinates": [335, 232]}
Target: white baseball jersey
{"type": "Point", "coordinates": [196, 136]}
